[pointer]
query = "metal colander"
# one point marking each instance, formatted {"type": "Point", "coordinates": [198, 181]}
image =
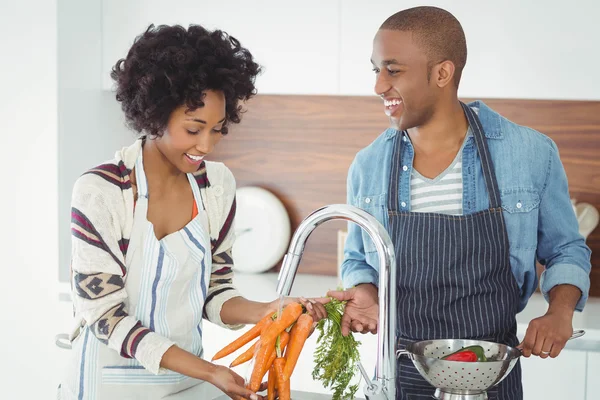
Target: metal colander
{"type": "Point", "coordinates": [457, 377]}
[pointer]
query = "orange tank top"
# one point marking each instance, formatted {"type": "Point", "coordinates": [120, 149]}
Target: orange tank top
{"type": "Point", "coordinates": [194, 209]}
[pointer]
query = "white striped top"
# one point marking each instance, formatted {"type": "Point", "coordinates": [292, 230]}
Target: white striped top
{"type": "Point", "coordinates": [442, 194]}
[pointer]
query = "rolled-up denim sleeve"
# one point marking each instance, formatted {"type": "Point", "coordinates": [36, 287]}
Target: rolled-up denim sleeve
{"type": "Point", "coordinates": [355, 269]}
{"type": "Point", "coordinates": [561, 249]}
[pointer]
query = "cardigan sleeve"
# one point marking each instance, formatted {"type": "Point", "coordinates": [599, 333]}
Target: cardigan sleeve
{"type": "Point", "coordinates": [221, 195]}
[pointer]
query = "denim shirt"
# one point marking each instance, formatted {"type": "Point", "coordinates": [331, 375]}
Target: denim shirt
{"type": "Point", "coordinates": [540, 220]}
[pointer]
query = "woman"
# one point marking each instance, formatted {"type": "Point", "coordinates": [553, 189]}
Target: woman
{"type": "Point", "coordinates": [152, 229]}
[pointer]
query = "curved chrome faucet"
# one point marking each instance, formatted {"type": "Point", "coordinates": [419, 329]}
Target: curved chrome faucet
{"type": "Point", "coordinates": [384, 386]}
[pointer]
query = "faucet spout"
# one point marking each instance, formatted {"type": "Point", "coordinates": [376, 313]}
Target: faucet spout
{"type": "Point", "coordinates": [384, 387]}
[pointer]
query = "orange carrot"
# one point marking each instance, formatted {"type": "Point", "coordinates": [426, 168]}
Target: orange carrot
{"type": "Point", "coordinates": [262, 356]}
{"type": "Point", "coordinates": [298, 336]}
{"type": "Point", "coordinates": [289, 315]}
{"type": "Point", "coordinates": [261, 365]}
{"type": "Point", "coordinates": [283, 385]}
{"type": "Point", "coordinates": [245, 356]}
{"type": "Point", "coordinates": [271, 385]}
{"type": "Point", "coordinates": [253, 333]}
{"type": "Point", "coordinates": [283, 339]}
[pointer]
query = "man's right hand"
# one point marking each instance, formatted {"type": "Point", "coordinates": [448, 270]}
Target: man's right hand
{"type": "Point", "coordinates": [362, 308]}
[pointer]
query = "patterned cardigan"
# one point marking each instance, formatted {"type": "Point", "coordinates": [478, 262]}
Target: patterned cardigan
{"type": "Point", "coordinates": [101, 225]}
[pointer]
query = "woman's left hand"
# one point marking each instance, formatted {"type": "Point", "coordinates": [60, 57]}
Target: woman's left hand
{"type": "Point", "coordinates": [314, 306]}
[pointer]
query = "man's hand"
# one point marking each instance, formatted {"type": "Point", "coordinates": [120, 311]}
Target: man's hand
{"type": "Point", "coordinates": [547, 335]}
{"type": "Point", "coordinates": [362, 308]}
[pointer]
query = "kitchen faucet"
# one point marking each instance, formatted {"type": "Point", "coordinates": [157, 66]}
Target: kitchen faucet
{"type": "Point", "coordinates": [383, 387]}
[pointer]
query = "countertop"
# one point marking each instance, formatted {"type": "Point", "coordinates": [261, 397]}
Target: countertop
{"type": "Point", "coordinates": [296, 395]}
{"type": "Point", "coordinates": [262, 287]}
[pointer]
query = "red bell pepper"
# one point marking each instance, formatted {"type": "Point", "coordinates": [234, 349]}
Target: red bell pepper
{"type": "Point", "coordinates": [464, 356]}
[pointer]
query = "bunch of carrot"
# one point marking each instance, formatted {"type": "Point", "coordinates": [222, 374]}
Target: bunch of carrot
{"type": "Point", "coordinates": [275, 334]}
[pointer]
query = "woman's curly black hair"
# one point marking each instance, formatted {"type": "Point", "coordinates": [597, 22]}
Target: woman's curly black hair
{"type": "Point", "coordinates": [170, 66]}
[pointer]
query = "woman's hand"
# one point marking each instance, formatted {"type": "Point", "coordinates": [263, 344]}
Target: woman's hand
{"type": "Point", "coordinates": [239, 310]}
{"type": "Point", "coordinates": [314, 306]}
{"type": "Point", "coordinates": [232, 384]}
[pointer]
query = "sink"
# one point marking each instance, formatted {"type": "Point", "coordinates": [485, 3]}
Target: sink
{"type": "Point", "coordinates": [296, 395]}
{"type": "Point", "coordinates": [208, 391]}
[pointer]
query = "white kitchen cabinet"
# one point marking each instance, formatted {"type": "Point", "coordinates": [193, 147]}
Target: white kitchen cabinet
{"type": "Point", "coordinates": [360, 21]}
{"type": "Point", "coordinates": [324, 47]}
{"type": "Point", "coordinates": [555, 379]}
{"type": "Point", "coordinates": [296, 42]}
{"type": "Point", "coordinates": [593, 376]}
{"type": "Point", "coordinates": [501, 62]}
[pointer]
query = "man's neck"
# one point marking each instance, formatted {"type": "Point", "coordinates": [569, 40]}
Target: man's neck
{"type": "Point", "coordinates": [445, 130]}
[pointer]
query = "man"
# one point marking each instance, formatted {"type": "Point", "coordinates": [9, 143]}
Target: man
{"type": "Point", "coordinates": [470, 200]}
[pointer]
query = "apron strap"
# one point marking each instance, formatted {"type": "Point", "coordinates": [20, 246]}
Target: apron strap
{"type": "Point", "coordinates": [484, 153]}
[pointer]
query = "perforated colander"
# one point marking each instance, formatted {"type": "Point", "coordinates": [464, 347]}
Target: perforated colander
{"type": "Point", "coordinates": [456, 376]}
{"type": "Point", "coordinates": [464, 378]}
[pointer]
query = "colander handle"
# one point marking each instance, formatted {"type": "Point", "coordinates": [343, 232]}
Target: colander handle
{"type": "Point", "coordinates": [402, 352]}
{"type": "Point", "coordinates": [577, 334]}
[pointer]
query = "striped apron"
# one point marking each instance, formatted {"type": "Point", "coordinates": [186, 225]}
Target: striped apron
{"type": "Point", "coordinates": [167, 282]}
{"type": "Point", "coordinates": [454, 276]}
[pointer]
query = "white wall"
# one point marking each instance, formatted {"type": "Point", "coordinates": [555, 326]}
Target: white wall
{"type": "Point", "coordinates": [517, 49]}
{"type": "Point", "coordinates": [52, 102]}
{"type": "Point", "coordinates": [282, 35]}
{"type": "Point", "coordinates": [28, 111]}
{"type": "Point", "coordinates": [90, 123]}
{"type": "Point", "coordinates": [532, 49]}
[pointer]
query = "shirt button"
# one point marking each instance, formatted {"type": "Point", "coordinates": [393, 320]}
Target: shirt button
{"type": "Point", "coordinates": [367, 200]}
{"type": "Point", "coordinates": [405, 168]}
{"type": "Point", "coordinates": [519, 205]}
{"type": "Point", "coordinates": [218, 190]}
{"type": "Point", "coordinates": [404, 138]}
{"type": "Point", "coordinates": [403, 204]}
